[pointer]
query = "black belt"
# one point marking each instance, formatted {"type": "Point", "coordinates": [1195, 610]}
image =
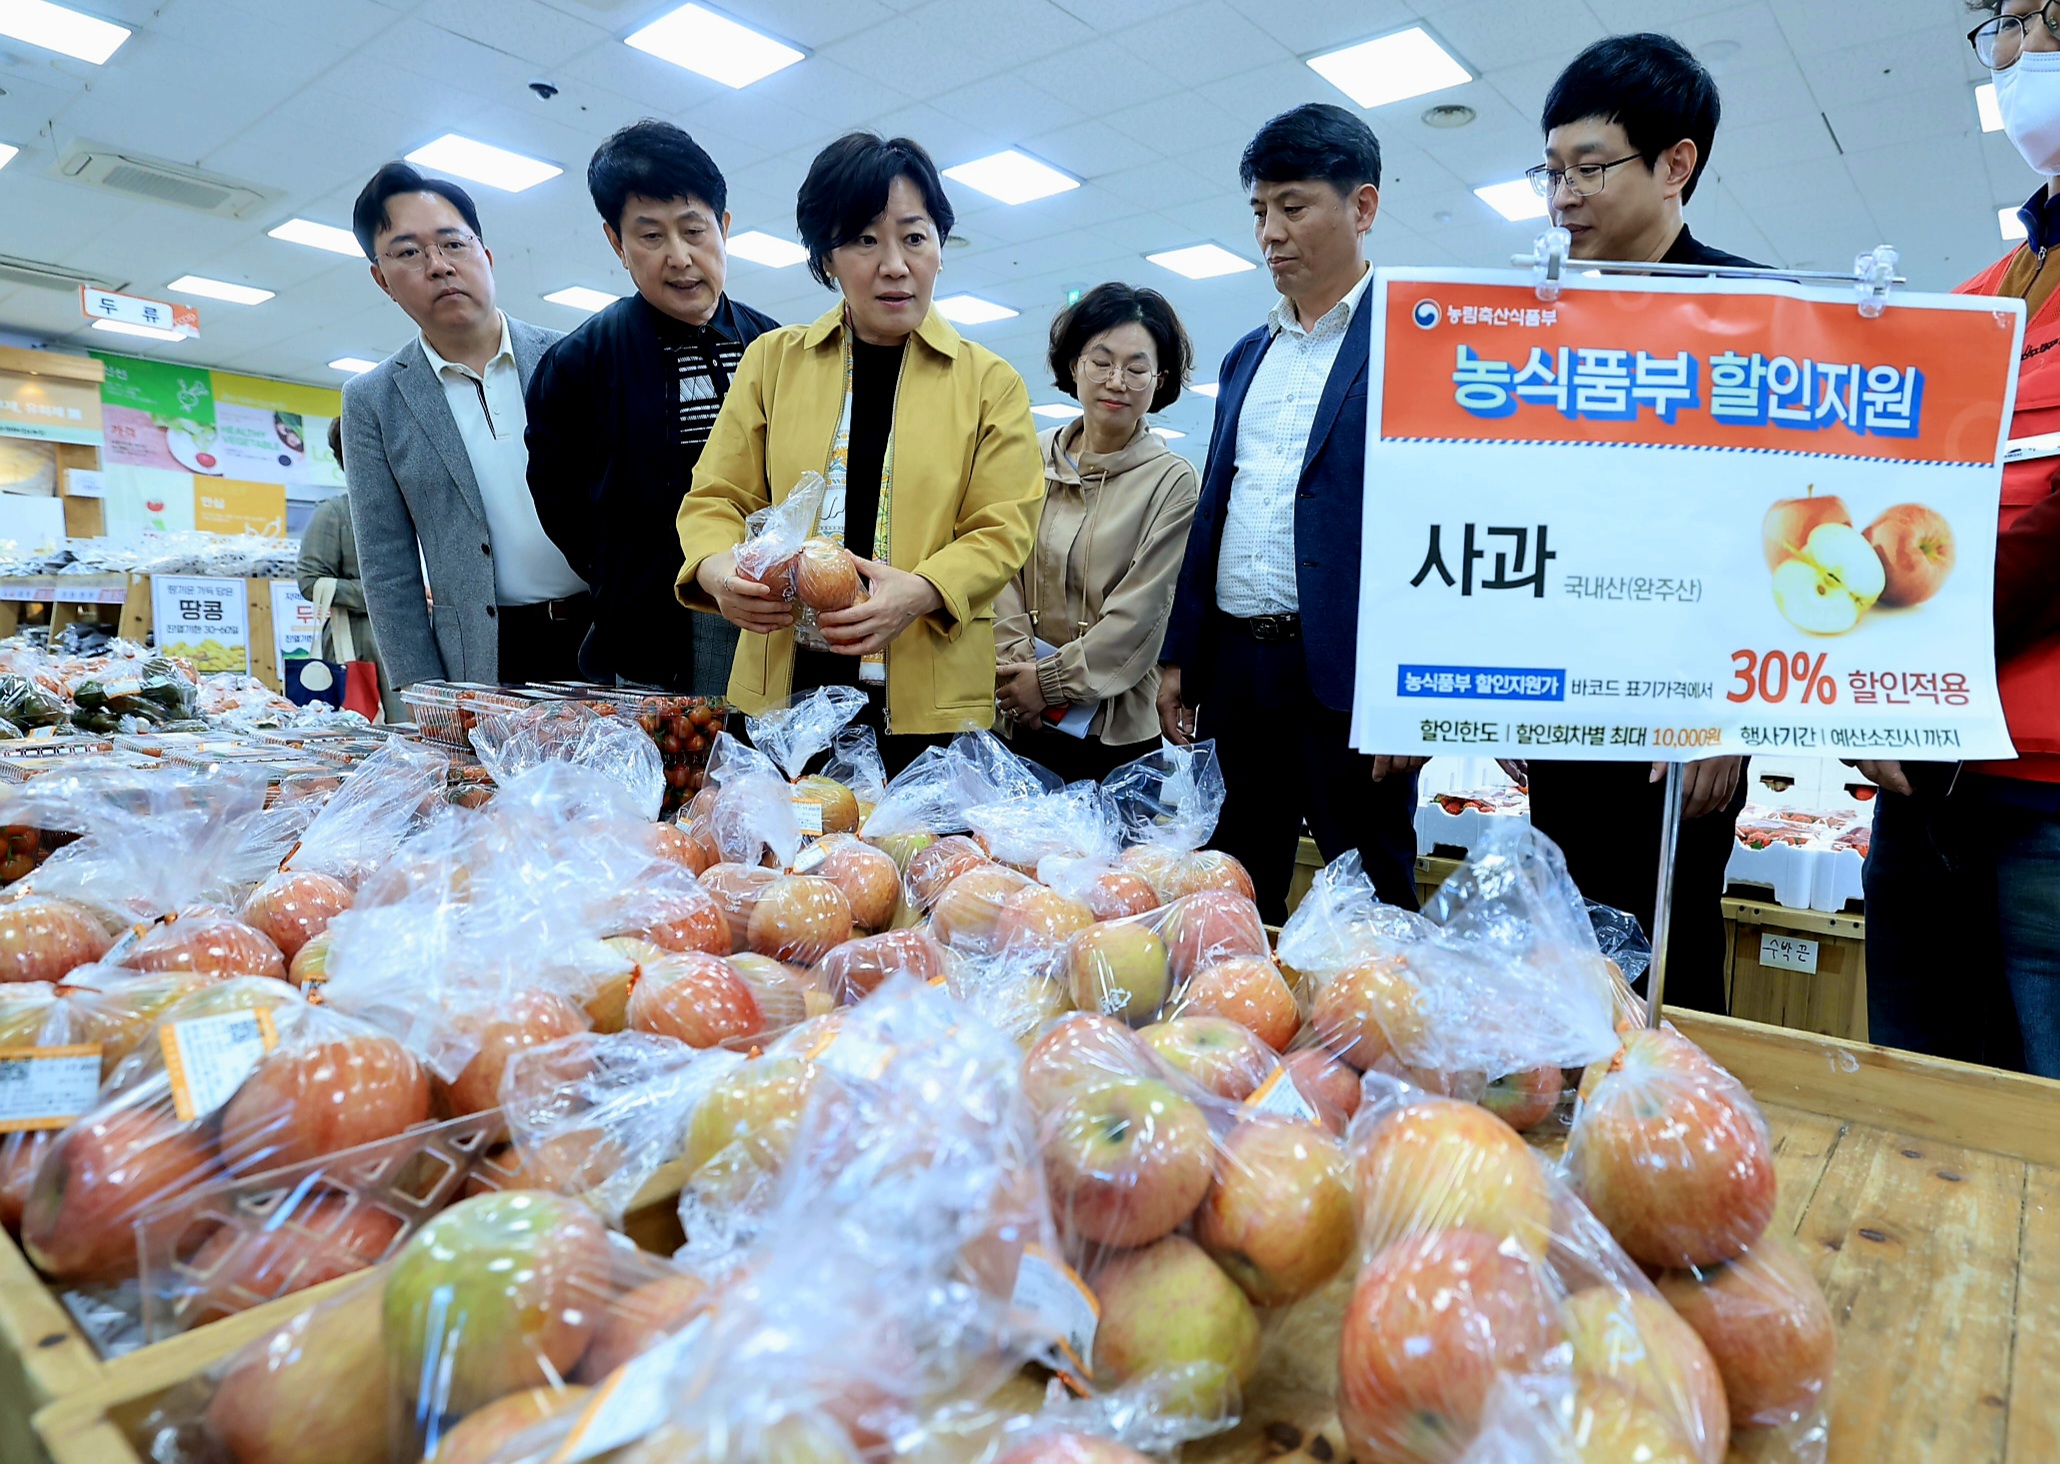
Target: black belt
{"type": "Point", "coordinates": [572, 607]}
{"type": "Point", "coordinates": [1265, 629]}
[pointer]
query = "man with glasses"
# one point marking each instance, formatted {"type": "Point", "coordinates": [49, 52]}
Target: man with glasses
{"type": "Point", "coordinates": [435, 460]}
{"type": "Point", "coordinates": [1628, 130]}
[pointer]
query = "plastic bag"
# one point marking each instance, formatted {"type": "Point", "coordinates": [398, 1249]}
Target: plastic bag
{"type": "Point", "coordinates": [752, 812]}
{"type": "Point", "coordinates": [1078, 822]}
{"type": "Point", "coordinates": [774, 535]}
{"type": "Point", "coordinates": [1205, 954]}
{"type": "Point", "coordinates": [1168, 802]}
{"type": "Point", "coordinates": [512, 743]}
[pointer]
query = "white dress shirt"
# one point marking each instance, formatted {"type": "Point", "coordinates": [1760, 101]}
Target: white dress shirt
{"type": "Point", "coordinates": [1255, 573]}
{"type": "Point", "coordinates": [528, 567]}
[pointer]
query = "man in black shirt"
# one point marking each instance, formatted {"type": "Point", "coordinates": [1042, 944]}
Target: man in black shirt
{"type": "Point", "coordinates": [620, 409]}
{"type": "Point", "coordinates": [1628, 130]}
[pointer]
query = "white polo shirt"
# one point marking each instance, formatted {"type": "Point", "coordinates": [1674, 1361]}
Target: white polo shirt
{"type": "Point", "coordinates": [528, 567]}
{"type": "Point", "coordinates": [1255, 573]}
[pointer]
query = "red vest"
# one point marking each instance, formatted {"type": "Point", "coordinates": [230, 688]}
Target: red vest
{"type": "Point", "coordinates": [2030, 680]}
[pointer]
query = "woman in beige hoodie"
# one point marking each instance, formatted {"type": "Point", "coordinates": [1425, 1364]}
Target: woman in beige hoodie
{"type": "Point", "coordinates": [1077, 631]}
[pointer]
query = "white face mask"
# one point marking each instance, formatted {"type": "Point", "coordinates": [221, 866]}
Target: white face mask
{"type": "Point", "coordinates": [2028, 96]}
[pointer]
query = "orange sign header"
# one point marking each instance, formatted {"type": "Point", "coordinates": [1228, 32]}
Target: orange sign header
{"type": "Point", "coordinates": [1655, 368]}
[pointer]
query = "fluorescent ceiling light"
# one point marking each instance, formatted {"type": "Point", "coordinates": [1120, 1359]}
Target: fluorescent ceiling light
{"type": "Point", "coordinates": [8, 153]}
{"type": "Point", "coordinates": [148, 332]}
{"type": "Point", "coordinates": [318, 236]}
{"type": "Point", "coordinates": [1515, 201]}
{"type": "Point", "coordinates": [1168, 432]}
{"type": "Point", "coordinates": [972, 310]}
{"type": "Point", "coordinates": [1986, 109]}
{"type": "Point", "coordinates": [2012, 227]}
{"type": "Point", "coordinates": [1390, 68]}
{"type": "Point", "coordinates": [208, 289]}
{"type": "Point", "coordinates": [697, 39]}
{"type": "Point", "coordinates": [482, 162]}
{"type": "Point", "coordinates": [1201, 261]}
{"type": "Point", "coordinates": [1012, 177]}
{"type": "Point", "coordinates": [579, 297]}
{"type": "Point", "coordinates": [1057, 411]}
{"type": "Point", "coordinates": [55, 28]}
{"type": "Point", "coordinates": [1204, 388]}
{"type": "Point", "coordinates": [355, 365]}
{"type": "Point", "coordinates": [766, 249]}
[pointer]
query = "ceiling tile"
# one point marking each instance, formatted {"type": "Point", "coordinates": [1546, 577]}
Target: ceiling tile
{"type": "Point", "coordinates": [1203, 43]}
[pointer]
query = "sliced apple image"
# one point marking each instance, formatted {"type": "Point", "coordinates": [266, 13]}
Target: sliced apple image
{"type": "Point", "coordinates": [1789, 524]}
{"type": "Point", "coordinates": [1916, 548]}
{"type": "Point", "coordinates": [1835, 580]}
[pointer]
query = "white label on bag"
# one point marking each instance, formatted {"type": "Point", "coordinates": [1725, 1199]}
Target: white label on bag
{"type": "Point", "coordinates": [1064, 1310]}
{"type": "Point", "coordinates": [1278, 1095]}
{"type": "Point", "coordinates": [207, 1058]}
{"type": "Point", "coordinates": [47, 1087]}
{"type": "Point", "coordinates": [1788, 953]}
{"type": "Point", "coordinates": [810, 816]}
{"type": "Point", "coordinates": [814, 856]}
{"type": "Point", "coordinates": [634, 1400]}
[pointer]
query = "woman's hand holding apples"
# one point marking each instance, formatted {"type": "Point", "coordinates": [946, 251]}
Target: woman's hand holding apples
{"type": "Point", "coordinates": [742, 601]}
{"type": "Point", "coordinates": [898, 599]}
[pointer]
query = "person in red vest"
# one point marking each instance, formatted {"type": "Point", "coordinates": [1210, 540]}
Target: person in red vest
{"type": "Point", "coordinates": [1965, 854]}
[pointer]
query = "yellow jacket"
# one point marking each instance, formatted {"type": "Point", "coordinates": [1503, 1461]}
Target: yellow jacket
{"type": "Point", "coordinates": [968, 487]}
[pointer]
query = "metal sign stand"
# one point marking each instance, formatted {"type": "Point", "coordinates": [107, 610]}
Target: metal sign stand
{"type": "Point", "coordinates": [1872, 276]}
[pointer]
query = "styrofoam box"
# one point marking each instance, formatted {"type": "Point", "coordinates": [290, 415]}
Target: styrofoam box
{"type": "Point", "coordinates": [1801, 879]}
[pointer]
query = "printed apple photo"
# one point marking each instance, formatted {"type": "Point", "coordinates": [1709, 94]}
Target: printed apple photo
{"type": "Point", "coordinates": [1830, 574]}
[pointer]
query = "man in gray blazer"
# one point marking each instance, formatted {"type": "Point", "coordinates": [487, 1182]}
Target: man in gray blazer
{"type": "Point", "coordinates": [435, 460]}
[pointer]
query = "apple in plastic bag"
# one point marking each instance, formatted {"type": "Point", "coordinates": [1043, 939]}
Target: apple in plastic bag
{"type": "Point", "coordinates": [1790, 522]}
{"type": "Point", "coordinates": [741, 1133]}
{"type": "Point", "coordinates": [79, 1223]}
{"type": "Point", "coordinates": [1916, 548]}
{"type": "Point", "coordinates": [1367, 1011]}
{"type": "Point", "coordinates": [1167, 1311]}
{"type": "Point", "coordinates": [41, 939]}
{"type": "Point", "coordinates": [1119, 969]}
{"type": "Point", "coordinates": [1127, 1161]}
{"type": "Point", "coordinates": [826, 576]}
{"type": "Point", "coordinates": [310, 964]}
{"type": "Point", "coordinates": [857, 968]}
{"type": "Point", "coordinates": [1329, 1086]}
{"type": "Point", "coordinates": [1218, 1054]}
{"type": "Point", "coordinates": [482, 1435]}
{"type": "Point", "coordinates": [1434, 1319]}
{"type": "Point", "coordinates": [687, 920]}
{"type": "Point", "coordinates": [697, 999]}
{"type": "Point", "coordinates": [1208, 926]}
{"type": "Point", "coordinates": [1636, 1342]}
{"type": "Point", "coordinates": [640, 1320]}
{"type": "Point", "coordinates": [1765, 1321]}
{"type": "Point", "coordinates": [210, 943]}
{"type": "Point", "coordinates": [1152, 863]}
{"type": "Point", "coordinates": [736, 889]}
{"type": "Point", "coordinates": [1207, 869]}
{"type": "Point", "coordinates": [800, 918]}
{"type": "Point", "coordinates": [691, 849]}
{"type": "Point", "coordinates": [1248, 990]}
{"type": "Point", "coordinates": [787, 995]}
{"type": "Point", "coordinates": [869, 878]}
{"type": "Point", "coordinates": [1079, 1051]}
{"type": "Point", "coordinates": [1617, 1426]}
{"type": "Point", "coordinates": [967, 913]}
{"type": "Point", "coordinates": [608, 1007]}
{"type": "Point", "coordinates": [496, 1293]}
{"type": "Point", "coordinates": [838, 803]}
{"type": "Point", "coordinates": [292, 909]}
{"type": "Point", "coordinates": [525, 1019]}
{"type": "Point", "coordinates": [315, 1098]}
{"type": "Point", "coordinates": [934, 866]}
{"type": "Point", "coordinates": [1278, 1216]}
{"type": "Point", "coordinates": [1526, 1099]}
{"type": "Point", "coordinates": [303, 1243]}
{"type": "Point", "coordinates": [1440, 1164]}
{"type": "Point", "coordinates": [1039, 919]}
{"type": "Point", "coordinates": [1831, 583]}
{"type": "Point", "coordinates": [1115, 893]}
{"type": "Point", "coordinates": [312, 1392]}
{"type": "Point", "coordinates": [1671, 1153]}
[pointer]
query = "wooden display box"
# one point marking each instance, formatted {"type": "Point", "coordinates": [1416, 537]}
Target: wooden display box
{"type": "Point", "coordinates": [1798, 968]}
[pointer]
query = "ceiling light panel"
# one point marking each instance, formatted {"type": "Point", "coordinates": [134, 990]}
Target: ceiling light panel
{"type": "Point", "coordinates": [8, 153]}
{"type": "Point", "coordinates": [58, 28]}
{"type": "Point", "coordinates": [355, 365]}
{"type": "Point", "coordinates": [579, 297]}
{"type": "Point", "coordinates": [482, 162]}
{"type": "Point", "coordinates": [1986, 109]}
{"type": "Point", "coordinates": [1204, 388]}
{"type": "Point", "coordinates": [1516, 200]}
{"type": "Point", "coordinates": [208, 289]}
{"type": "Point", "coordinates": [318, 236]}
{"type": "Point", "coordinates": [1057, 411]}
{"type": "Point", "coordinates": [972, 310]}
{"type": "Point", "coordinates": [2009, 225]}
{"type": "Point", "coordinates": [699, 40]}
{"type": "Point", "coordinates": [147, 332]}
{"type": "Point", "coordinates": [1012, 177]}
{"type": "Point", "coordinates": [766, 249]}
{"type": "Point", "coordinates": [1391, 68]}
{"type": "Point", "coordinates": [1201, 261]}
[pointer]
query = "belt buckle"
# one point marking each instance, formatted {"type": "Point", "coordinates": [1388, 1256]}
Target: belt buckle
{"type": "Point", "coordinates": [1270, 629]}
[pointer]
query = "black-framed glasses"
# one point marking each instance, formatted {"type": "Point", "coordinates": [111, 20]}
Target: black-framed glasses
{"type": "Point", "coordinates": [1999, 40]}
{"type": "Point", "coordinates": [1584, 179]}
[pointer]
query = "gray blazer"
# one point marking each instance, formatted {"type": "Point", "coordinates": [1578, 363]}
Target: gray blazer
{"type": "Point", "coordinates": [411, 483]}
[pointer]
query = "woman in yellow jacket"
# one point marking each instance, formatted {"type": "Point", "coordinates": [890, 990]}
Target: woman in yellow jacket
{"type": "Point", "coordinates": [927, 444]}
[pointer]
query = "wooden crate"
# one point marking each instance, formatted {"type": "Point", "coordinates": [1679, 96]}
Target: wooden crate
{"type": "Point", "coordinates": [1831, 1000]}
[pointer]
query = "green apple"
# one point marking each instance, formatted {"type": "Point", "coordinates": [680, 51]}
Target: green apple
{"type": "Point", "coordinates": [1168, 1311]}
{"type": "Point", "coordinates": [1119, 969]}
{"type": "Point", "coordinates": [1278, 1218]}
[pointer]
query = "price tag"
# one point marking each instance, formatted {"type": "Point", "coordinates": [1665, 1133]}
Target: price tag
{"type": "Point", "coordinates": [1788, 953]}
{"type": "Point", "coordinates": [207, 1058]}
{"type": "Point", "coordinates": [810, 816]}
{"type": "Point", "coordinates": [814, 856]}
{"type": "Point", "coordinates": [633, 1401]}
{"type": "Point", "coordinates": [1063, 1309]}
{"type": "Point", "coordinates": [47, 1087]}
{"type": "Point", "coordinates": [1279, 1095]}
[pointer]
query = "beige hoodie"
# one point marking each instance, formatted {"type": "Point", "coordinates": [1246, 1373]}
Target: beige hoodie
{"type": "Point", "coordinates": [1099, 584]}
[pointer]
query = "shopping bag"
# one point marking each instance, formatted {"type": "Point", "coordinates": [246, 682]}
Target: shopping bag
{"type": "Point", "coordinates": [354, 682]}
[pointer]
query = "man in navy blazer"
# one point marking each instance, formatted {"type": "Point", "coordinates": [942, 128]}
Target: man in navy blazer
{"type": "Point", "coordinates": [1261, 647]}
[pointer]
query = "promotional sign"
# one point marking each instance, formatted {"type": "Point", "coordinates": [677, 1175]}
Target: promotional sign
{"type": "Point", "coordinates": [225, 506]}
{"type": "Point", "coordinates": [49, 408]}
{"type": "Point", "coordinates": [137, 310]}
{"type": "Point", "coordinates": [1674, 519]}
{"type": "Point", "coordinates": [205, 621]}
{"type": "Point", "coordinates": [293, 625]}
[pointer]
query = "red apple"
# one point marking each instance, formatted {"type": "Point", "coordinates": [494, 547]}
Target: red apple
{"type": "Point", "coordinates": [42, 939]}
{"type": "Point", "coordinates": [696, 998]}
{"type": "Point", "coordinates": [1765, 1321]}
{"type": "Point", "coordinates": [692, 852]}
{"type": "Point", "coordinates": [1916, 548]}
{"type": "Point", "coordinates": [1219, 1055]}
{"type": "Point", "coordinates": [857, 968]}
{"type": "Point", "coordinates": [965, 916]}
{"type": "Point", "coordinates": [1365, 1012]}
{"type": "Point", "coordinates": [484, 1434]}
{"type": "Point", "coordinates": [826, 576]}
{"type": "Point", "coordinates": [799, 918]}
{"type": "Point", "coordinates": [1078, 1051]}
{"type": "Point", "coordinates": [633, 1324]}
{"type": "Point", "coordinates": [1116, 893]}
{"type": "Point", "coordinates": [1439, 1164]}
{"type": "Point", "coordinates": [1038, 919]}
{"type": "Point", "coordinates": [303, 1243]}
{"type": "Point", "coordinates": [1636, 1342]}
{"type": "Point", "coordinates": [526, 1019]}
{"type": "Point", "coordinates": [1526, 1099]}
{"type": "Point", "coordinates": [1671, 1153]}
{"type": "Point", "coordinates": [1789, 523]}
{"type": "Point", "coordinates": [78, 1225]}
{"type": "Point", "coordinates": [1206, 869]}
{"type": "Point", "coordinates": [208, 942]}
{"type": "Point", "coordinates": [870, 879]}
{"type": "Point", "coordinates": [312, 1099]}
{"type": "Point", "coordinates": [314, 1391]}
{"type": "Point", "coordinates": [786, 995]}
{"type": "Point", "coordinates": [1167, 1311]}
{"type": "Point", "coordinates": [1434, 1319]}
{"type": "Point", "coordinates": [1248, 990]}
{"type": "Point", "coordinates": [1329, 1086]}
{"type": "Point", "coordinates": [1119, 968]}
{"type": "Point", "coordinates": [935, 866]}
{"type": "Point", "coordinates": [1152, 863]}
{"type": "Point", "coordinates": [21, 1155]}
{"type": "Point", "coordinates": [1127, 1161]}
{"type": "Point", "coordinates": [607, 1008]}
{"type": "Point", "coordinates": [737, 889]}
{"type": "Point", "coordinates": [838, 803]}
{"type": "Point", "coordinates": [1208, 926]}
{"type": "Point", "coordinates": [682, 920]}
{"type": "Point", "coordinates": [1278, 1216]}
{"type": "Point", "coordinates": [292, 909]}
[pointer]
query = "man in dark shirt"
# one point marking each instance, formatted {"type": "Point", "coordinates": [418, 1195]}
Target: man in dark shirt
{"type": "Point", "coordinates": [620, 409]}
{"type": "Point", "coordinates": [1628, 129]}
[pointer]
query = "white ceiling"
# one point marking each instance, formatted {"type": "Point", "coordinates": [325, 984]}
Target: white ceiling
{"type": "Point", "coordinates": [1846, 124]}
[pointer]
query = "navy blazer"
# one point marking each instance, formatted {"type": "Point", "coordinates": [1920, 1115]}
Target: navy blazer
{"type": "Point", "coordinates": [1329, 509]}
